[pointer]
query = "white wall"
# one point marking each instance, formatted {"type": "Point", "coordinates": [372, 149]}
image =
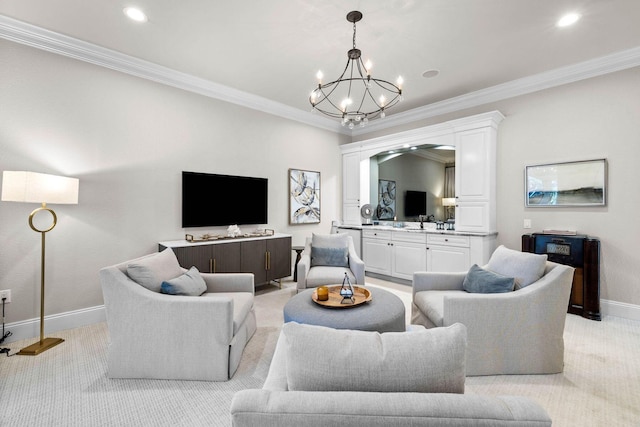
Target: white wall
{"type": "Point", "coordinates": [594, 118]}
{"type": "Point", "coordinates": [127, 140]}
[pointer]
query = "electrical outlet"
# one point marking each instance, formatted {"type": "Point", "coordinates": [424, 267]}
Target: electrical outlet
{"type": "Point", "coordinates": [527, 223]}
{"type": "Point", "coordinates": [6, 294]}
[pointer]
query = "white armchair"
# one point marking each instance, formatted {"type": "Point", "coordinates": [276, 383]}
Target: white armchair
{"type": "Point", "coordinates": [517, 332]}
{"type": "Point", "coordinates": [311, 275]}
{"type": "Point", "coordinates": [159, 336]}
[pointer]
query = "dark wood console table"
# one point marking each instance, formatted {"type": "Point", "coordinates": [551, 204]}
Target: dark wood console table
{"type": "Point", "coordinates": [268, 257]}
{"type": "Point", "coordinates": [581, 252]}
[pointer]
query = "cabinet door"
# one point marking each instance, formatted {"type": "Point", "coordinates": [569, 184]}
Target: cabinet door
{"type": "Point", "coordinates": [473, 165]}
{"type": "Point", "coordinates": [407, 259]}
{"type": "Point", "coordinates": [278, 258]}
{"type": "Point", "coordinates": [447, 259]}
{"type": "Point", "coordinates": [377, 256]}
{"type": "Point", "coordinates": [254, 260]}
{"type": "Point", "coordinates": [351, 178]}
{"type": "Point", "coordinates": [351, 188]}
{"type": "Point", "coordinates": [473, 216]}
{"type": "Point", "coordinates": [226, 258]}
{"type": "Point", "coordinates": [198, 256]}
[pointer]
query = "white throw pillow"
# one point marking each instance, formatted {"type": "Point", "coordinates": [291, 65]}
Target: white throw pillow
{"type": "Point", "coordinates": [326, 359]}
{"type": "Point", "coordinates": [525, 267]}
{"type": "Point", "coordinates": [151, 271]}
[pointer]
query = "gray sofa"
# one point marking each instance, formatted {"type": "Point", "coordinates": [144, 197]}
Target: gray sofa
{"type": "Point", "coordinates": [159, 336]}
{"type": "Point", "coordinates": [374, 385]}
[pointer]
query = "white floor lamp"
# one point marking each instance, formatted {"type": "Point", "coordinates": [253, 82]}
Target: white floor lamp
{"type": "Point", "coordinates": [32, 187]}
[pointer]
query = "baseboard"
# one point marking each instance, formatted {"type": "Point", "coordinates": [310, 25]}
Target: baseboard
{"type": "Point", "coordinates": [56, 322]}
{"type": "Point", "coordinates": [388, 278]}
{"type": "Point", "coordinates": [620, 309]}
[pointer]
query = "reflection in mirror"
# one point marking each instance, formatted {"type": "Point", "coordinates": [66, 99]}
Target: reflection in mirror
{"type": "Point", "coordinates": [411, 182]}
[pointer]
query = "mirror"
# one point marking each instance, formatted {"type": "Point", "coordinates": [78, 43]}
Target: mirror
{"type": "Point", "coordinates": [406, 182]}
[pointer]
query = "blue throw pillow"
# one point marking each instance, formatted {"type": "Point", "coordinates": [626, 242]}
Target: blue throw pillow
{"type": "Point", "coordinates": [481, 281]}
{"type": "Point", "coordinates": [334, 257]}
{"type": "Point", "coordinates": [190, 283]}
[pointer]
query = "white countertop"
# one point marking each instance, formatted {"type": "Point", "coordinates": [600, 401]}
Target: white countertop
{"type": "Point", "coordinates": [429, 228]}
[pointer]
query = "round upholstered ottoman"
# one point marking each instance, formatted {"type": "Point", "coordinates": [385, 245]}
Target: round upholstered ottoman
{"type": "Point", "coordinates": [384, 313]}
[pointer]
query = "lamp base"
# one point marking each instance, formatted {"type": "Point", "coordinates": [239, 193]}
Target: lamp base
{"type": "Point", "coordinates": [40, 347]}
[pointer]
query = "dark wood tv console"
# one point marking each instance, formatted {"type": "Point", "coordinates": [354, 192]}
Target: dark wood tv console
{"type": "Point", "coordinates": [267, 257]}
{"type": "Point", "coordinates": [581, 252]}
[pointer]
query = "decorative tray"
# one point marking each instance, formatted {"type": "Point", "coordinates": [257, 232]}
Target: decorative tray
{"type": "Point", "coordinates": [360, 296]}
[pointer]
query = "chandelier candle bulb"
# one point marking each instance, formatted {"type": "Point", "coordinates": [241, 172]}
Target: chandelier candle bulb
{"type": "Point", "coordinates": [367, 67]}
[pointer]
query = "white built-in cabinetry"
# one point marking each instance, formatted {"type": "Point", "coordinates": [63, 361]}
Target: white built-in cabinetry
{"type": "Point", "coordinates": [394, 253]}
{"type": "Point", "coordinates": [351, 188]}
{"type": "Point", "coordinates": [476, 180]}
{"type": "Point", "coordinates": [475, 140]}
{"type": "Point", "coordinates": [401, 253]}
{"type": "Point", "coordinates": [448, 253]}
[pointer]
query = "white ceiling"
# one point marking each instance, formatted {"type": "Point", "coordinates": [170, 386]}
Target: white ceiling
{"type": "Point", "coordinates": [273, 48]}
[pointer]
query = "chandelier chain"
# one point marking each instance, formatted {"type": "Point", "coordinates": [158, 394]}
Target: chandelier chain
{"type": "Point", "coordinates": [354, 35]}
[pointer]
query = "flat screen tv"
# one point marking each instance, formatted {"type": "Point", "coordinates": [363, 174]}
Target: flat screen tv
{"type": "Point", "coordinates": [415, 203]}
{"type": "Point", "coordinates": [214, 200]}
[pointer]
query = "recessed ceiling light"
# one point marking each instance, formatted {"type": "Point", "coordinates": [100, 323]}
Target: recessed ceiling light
{"type": "Point", "coordinates": [414, 148]}
{"type": "Point", "coordinates": [444, 147]}
{"type": "Point", "coordinates": [429, 74]}
{"type": "Point", "coordinates": [135, 14]}
{"type": "Point", "coordinates": [568, 19]}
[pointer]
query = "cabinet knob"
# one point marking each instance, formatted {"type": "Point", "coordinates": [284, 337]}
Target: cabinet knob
{"type": "Point", "coordinates": [446, 240]}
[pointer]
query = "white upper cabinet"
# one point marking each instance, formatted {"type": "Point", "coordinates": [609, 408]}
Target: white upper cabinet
{"type": "Point", "coordinates": [475, 140]}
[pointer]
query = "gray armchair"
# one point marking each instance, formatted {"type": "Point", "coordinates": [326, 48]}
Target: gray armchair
{"type": "Point", "coordinates": [159, 336]}
{"type": "Point", "coordinates": [311, 276]}
{"type": "Point", "coordinates": [518, 332]}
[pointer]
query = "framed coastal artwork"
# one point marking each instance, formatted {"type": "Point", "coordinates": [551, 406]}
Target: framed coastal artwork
{"type": "Point", "coordinates": [581, 183]}
{"type": "Point", "coordinates": [304, 197]}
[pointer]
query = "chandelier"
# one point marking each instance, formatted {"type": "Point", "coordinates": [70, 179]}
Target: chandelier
{"type": "Point", "coordinates": [355, 97]}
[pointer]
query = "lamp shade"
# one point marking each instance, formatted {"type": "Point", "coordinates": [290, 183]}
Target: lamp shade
{"type": "Point", "coordinates": [448, 201]}
{"type": "Point", "coordinates": [33, 187]}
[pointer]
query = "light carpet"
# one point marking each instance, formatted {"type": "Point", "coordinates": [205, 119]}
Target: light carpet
{"type": "Point", "coordinates": [68, 386]}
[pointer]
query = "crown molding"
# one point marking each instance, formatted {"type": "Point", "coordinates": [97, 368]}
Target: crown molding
{"type": "Point", "coordinates": [50, 41]}
{"type": "Point", "coordinates": [560, 76]}
{"type": "Point", "coordinates": [31, 35]}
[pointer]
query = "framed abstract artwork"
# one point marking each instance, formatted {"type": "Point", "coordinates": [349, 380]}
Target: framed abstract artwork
{"type": "Point", "coordinates": [386, 209]}
{"type": "Point", "coordinates": [304, 197]}
{"type": "Point", "coordinates": [582, 183]}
